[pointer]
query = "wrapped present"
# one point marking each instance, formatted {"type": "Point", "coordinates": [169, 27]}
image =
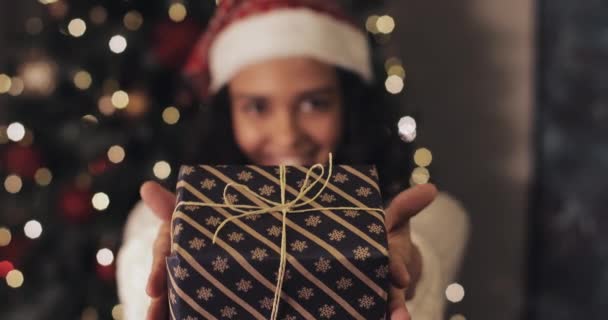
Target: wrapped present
{"type": "Point", "coordinates": [285, 242]}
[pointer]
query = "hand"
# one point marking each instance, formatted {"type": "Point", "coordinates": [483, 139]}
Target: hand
{"type": "Point", "coordinates": [162, 203]}
{"type": "Point", "coordinates": [405, 263]}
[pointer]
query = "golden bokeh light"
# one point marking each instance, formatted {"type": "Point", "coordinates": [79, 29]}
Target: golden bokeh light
{"type": "Point", "coordinates": [120, 99]}
{"type": "Point", "coordinates": [5, 237]}
{"type": "Point", "coordinates": [177, 12]}
{"type": "Point", "coordinates": [83, 80]}
{"type": "Point", "coordinates": [133, 20]}
{"type": "Point", "coordinates": [394, 84]}
{"type": "Point", "coordinates": [100, 201]}
{"type": "Point", "coordinates": [162, 170]}
{"type": "Point", "coordinates": [13, 184]}
{"type": "Point", "coordinates": [171, 115]}
{"type": "Point", "coordinates": [385, 24]}
{"type": "Point", "coordinates": [17, 86]}
{"type": "Point", "coordinates": [396, 70]}
{"type": "Point", "coordinates": [117, 312]}
{"type": "Point", "coordinates": [89, 118]}
{"type": "Point", "coordinates": [458, 317]}
{"type": "Point", "coordinates": [5, 83]}
{"type": "Point", "coordinates": [423, 157]}
{"type": "Point", "coordinates": [105, 106]}
{"type": "Point", "coordinates": [421, 175]}
{"type": "Point", "coordinates": [454, 293]}
{"type": "Point", "coordinates": [371, 24]}
{"type": "Point", "coordinates": [43, 177]}
{"type": "Point", "coordinates": [393, 61]}
{"type": "Point", "coordinates": [77, 27]}
{"type": "Point", "coordinates": [116, 154]}
{"type": "Point", "coordinates": [14, 278]}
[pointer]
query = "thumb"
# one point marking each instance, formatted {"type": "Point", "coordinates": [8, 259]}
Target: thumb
{"type": "Point", "coordinates": [159, 199]}
{"type": "Point", "coordinates": [407, 204]}
{"type": "Point", "coordinates": [397, 308]}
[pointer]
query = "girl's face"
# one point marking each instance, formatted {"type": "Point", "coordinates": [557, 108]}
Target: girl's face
{"type": "Point", "coordinates": [286, 111]}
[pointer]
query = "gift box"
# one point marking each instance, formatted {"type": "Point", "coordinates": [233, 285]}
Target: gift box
{"type": "Point", "coordinates": [241, 233]}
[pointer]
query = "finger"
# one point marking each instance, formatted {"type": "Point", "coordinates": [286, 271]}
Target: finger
{"type": "Point", "coordinates": [157, 281]}
{"type": "Point", "coordinates": [157, 198]}
{"type": "Point", "coordinates": [407, 204]}
{"type": "Point", "coordinates": [158, 309]}
{"type": "Point", "coordinates": [400, 277]}
{"type": "Point", "coordinates": [397, 308]}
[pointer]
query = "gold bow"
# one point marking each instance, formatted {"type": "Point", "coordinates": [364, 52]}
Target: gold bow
{"type": "Point", "coordinates": [284, 206]}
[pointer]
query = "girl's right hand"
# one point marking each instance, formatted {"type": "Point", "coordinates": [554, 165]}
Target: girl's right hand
{"type": "Point", "coordinates": [162, 203]}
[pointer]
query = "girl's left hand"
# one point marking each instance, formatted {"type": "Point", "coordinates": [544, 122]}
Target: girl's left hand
{"type": "Point", "coordinates": [405, 262]}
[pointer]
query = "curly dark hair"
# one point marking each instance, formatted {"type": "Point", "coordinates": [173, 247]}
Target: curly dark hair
{"type": "Point", "coordinates": [369, 136]}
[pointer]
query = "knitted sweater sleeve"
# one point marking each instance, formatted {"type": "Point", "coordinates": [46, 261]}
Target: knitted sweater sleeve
{"type": "Point", "coordinates": [440, 231]}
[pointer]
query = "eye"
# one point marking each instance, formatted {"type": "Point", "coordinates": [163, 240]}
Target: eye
{"type": "Point", "coordinates": [314, 104]}
{"type": "Point", "coordinates": [256, 106]}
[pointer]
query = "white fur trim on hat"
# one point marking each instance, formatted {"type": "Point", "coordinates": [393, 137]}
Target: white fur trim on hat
{"type": "Point", "coordinates": [285, 33]}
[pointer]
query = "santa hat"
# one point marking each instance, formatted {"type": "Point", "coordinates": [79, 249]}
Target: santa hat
{"type": "Point", "coordinates": [244, 32]}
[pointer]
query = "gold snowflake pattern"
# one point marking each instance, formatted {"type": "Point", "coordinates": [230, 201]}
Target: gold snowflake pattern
{"type": "Point", "coordinates": [327, 311]}
{"type": "Point", "coordinates": [329, 198]}
{"type": "Point", "coordinates": [373, 172]}
{"type": "Point", "coordinates": [289, 317]}
{"type": "Point", "coordinates": [336, 235]}
{"type": "Point", "coordinates": [300, 183]}
{"type": "Point", "coordinates": [197, 243]}
{"type": "Point", "coordinates": [344, 283]}
{"type": "Point", "coordinates": [361, 253]}
{"type": "Point", "coordinates": [305, 293]}
{"type": "Point", "coordinates": [187, 170]}
{"type": "Point", "coordinates": [287, 170]}
{"type": "Point", "coordinates": [253, 217]}
{"type": "Point", "coordinates": [189, 317]}
{"type": "Point", "coordinates": [340, 177]}
{"type": "Point", "coordinates": [382, 271]}
{"type": "Point", "coordinates": [298, 245]}
{"type": "Point", "coordinates": [366, 302]}
{"type": "Point", "coordinates": [286, 276]}
{"type": "Point", "coordinates": [245, 176]}
{"type": "Point", "coordinates": [313, 221]}
{"type": "Point", "coordinates": [208, 184]}
{"type": "Point", "coordinates": [322, 265]}
{"type": "Point", "coordinates": [204, 293]}
{"type": "Point", "coordinates": [190, 208]}
{"type": "Point", "coordinates": [375, 228]}
{"type": "Point", "coordinates": [172, 297]}
{"type": "Point", "coordinates": [266, 303]}
{"type": "Point", "coordinates": [351, 213]}
{"type": "Point", "coordinates": [266, 190]}
{"type": "Point", "coordinates": [220, 264]}
{"type": "Point", "coordinates": [177, 229]}
{"type": "Point", "coordinates": [232, 198]}
{"type": "Point", "coordinates": [236, 237]}
{"type": "Point", "coordinates": [274, 231]}
{"type": "Point", "coordinates": [213, 221]}
{"type": "Point", "coordinates": [243, 285]}
{"type": "Point", "coordinates": [364, 192]}
{"type": "Point", "coordinates": [180, 273]}
{"type": "Point", "coordinates": [228, 312]}
{"type": "Point", "coordinates": [258, 254]}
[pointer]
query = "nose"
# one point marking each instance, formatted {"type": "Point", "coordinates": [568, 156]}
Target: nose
{"type": "Point", "coordinates": [285, 130]}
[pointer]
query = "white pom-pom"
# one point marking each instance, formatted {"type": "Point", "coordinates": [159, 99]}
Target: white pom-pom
{"type": "Point", "coordinates": [407, 129]}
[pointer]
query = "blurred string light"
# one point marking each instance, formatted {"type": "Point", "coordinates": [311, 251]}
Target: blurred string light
{"type": "Point", "coordinates": [385, 24]}
{"type": "Point", "coordinates": [33, 25]}
{"type": "Point", "coordinates": [105, 105]}
{"type": "Point", "coordinates": [100, 201]}
{"type": "Point", "coordinates": [98, 15]}
{"type": "Point", "coordinates": [38, 76]}
{"type": "Point", "coordinates": [120, 99]}
{"type": "Point", "coordinates": [396, 70]}
{"type": "Point", "coordinates": [17, 86]}
{"type": "Point", "coordinates": [14, 278]}
{"type": "Point", "coordinates": [421, 175]}
{"type": "Point", "coordinates": [5, 83]}
{"type": "Point", "coordinates": [454, 292]}
{"type": "Point", "coordinates": [118, 44]}
{"type": "Point", "coordinates": [407, 129]}
{"type": "Point", "coordinates": [394, 84]}
{"type": "Point", "coordinates": [133, 20]}
{"type": "Point", "coordinates": [77, 27]}
{"type": "Point", "coordinates": [105, 257]}
{"type": "Point", "coordinates": [117, 312]}
{"type": "Point", "coordinates": [393, 61]}
{"type": "Point", "coordinates": [32, 229]}
{"type": "Point", "coordinates": [423, 157]}
{"type": "Point", "coordinates": [13, 184]}
{"type": "Point", "coordinates": [177, 12]}
{"type": "Point", "coordinates": [5, 237]}
{"type": "Point", "coordinates": [162, 170]}
{"type": "Point", "coordinates": [89, 118]}
{"type": "Point", "coordinates": [83, 80]}
{"type": "Point", "coordinates": [116, 154]}
{"type": "Point", "coordinates": [15, 131]}
{"type": "Point", "coordinates": [371, 24]}
{"type": "Point", "coordinates": [47, 1]}
{"type": "Point", "coordinates": [171, 115]}
{"type": "Point", "coordinates": [43, 177]}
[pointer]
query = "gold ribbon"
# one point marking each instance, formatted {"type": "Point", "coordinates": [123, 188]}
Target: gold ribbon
{"type": "Point", "coordinates": [284, 207]}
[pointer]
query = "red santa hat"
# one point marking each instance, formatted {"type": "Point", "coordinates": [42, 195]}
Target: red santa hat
{"type": "Point", "coordinates": [244, 32]}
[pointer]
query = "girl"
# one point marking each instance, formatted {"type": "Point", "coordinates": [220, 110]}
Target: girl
{"type": "Point", "coordinates": [288, 82]}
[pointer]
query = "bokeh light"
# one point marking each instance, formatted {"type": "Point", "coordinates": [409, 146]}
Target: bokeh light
{"type": "Point", "coordinates": [177, 12]}
{"type": "Point", "coordinates": [118, 44]}
{"type": "Point", "coordinates": [120, 99]}
{"type": "Point", "coordinates": [100, 201]}
{"type": "Point", "coordinates": [171, 115]}
{"type": "Point", "coordinates": [162, 170]}
{"type": "Point", "coordinates": [421, 175]}
{"type": "Point", "coordinates": [117, 312]}
{"type": "Point", "coordinates": [17, 86]}
{"type": "Point", "coordinates": [13, 184]}
{"type": "Point", "coordinates": [105, 257]}
{"type": "Point", "coordinates": [133, 20]}
{"type": "Point", "coordinates": [423, 157]}
{"type": "Point", "coordinates": [98, 15]}
{"type": "Point", "coordinates": [5, 83]}
{"type": "Point", "coordinates": [454, 293]}
{"type": "Point", "coordinates": [14, 278]}
{"type": "Point", "coordinates": [77, 27]}
{"type": "Point", "coordinates": [15, 131]}
{"type": "Point", "coordinates": [5, 237]}
{"type": "Point", "coordinates": [394, 84]}
{"type": "Point", "coordinates": [385, 24]}
{"type": "Point", "coordinates": [116, 154]}
{"type": "Point", "coordinates": [32, 229]}
{"type": "Point", "coordinates": [407, 129]}
{"type": "Point", "coordinates": [43, 177]}
{"type": "Point", "coordinates": [371, 24]}
{"type": "Point", "coordinates": [82, 80]}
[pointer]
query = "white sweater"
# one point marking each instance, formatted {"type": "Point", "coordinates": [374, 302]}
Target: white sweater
{"type": "Point", "coordinates": [440, 231]}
